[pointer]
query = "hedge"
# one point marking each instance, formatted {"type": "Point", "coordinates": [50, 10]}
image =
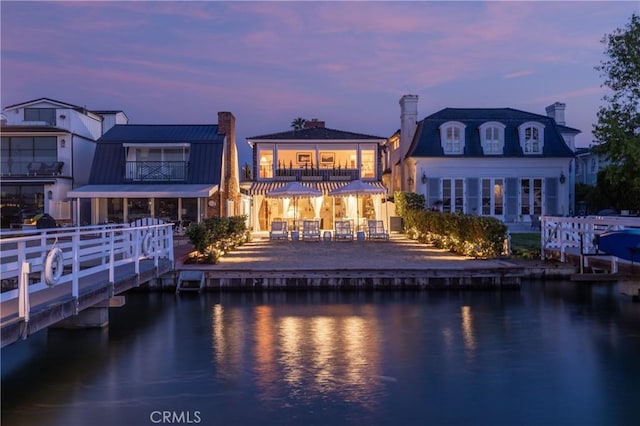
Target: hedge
{"type": "Point", "coordinates": [469, 235]}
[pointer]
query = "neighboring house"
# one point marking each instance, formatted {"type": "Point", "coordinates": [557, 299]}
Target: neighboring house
{"type": "Point", "coordinates": [498, 162]}
{"type": "Point", "coordinates": [588, 164]}
{"type": "Point", "coordinates": [46, 146]}
{"type": "Point", "coordinates": [178, 173]}
{"type": "Point", "coordinates": [318, 157]}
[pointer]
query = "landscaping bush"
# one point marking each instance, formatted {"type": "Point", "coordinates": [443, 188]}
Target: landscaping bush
{"type": "Point", "coordinates": [217, 235]}
{"type": "Point", "coordinates": [470, 235]}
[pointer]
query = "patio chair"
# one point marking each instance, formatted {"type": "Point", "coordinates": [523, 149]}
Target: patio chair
{"type": "Point", "coordinates": [376, 230]}
{"type": "Point", "coordinates": [311, 230]}
{"type": "Point", "coordinates": [278, 230]}
{"type": "Point", "coordinates": [343, 231]}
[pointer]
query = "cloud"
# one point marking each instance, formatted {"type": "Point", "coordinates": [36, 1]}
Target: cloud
{"type": "Point", "coordinates": [517, 74]}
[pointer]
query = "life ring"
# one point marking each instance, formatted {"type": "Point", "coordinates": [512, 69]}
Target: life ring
{"type": "Point", "coordinates": [53, 266]}
{"type": "Point", "coordinates": [147, 244]}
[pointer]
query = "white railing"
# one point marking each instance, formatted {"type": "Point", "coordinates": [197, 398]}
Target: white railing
{"type": "Point", "coordinates": [41, 259]}
{"type": "Point", "coordinates": [578, 233]}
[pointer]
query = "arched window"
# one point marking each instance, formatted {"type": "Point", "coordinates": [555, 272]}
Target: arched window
{"type": "Point", "coordinates": [492, 138]}
{"type": "Point", "coordinates": [531, 138]}
{"type": "Point", "coordinates": [452, 137]}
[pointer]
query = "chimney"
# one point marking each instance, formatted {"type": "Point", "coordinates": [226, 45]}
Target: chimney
{"type": "Point", "coordinates": [230, 185]}
{"type": "Point", "coordinates": [408, 122]}
{"type": "Point", "coordinates": [556, 111]}
{"type": "Point", "coordinates": [314, 124]}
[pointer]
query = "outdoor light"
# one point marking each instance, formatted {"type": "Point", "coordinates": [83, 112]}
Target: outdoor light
{"type": "Point", "coordinates": [562, 178]}
{"type": "Point", "coordinates": [62, 116]}
{"type": "Point", "coordinates": [423, 178]}
{"type": "Point", "coordinates": [410, 180]}
{"type": "Point", "coordinates": [50, 195]}
{"type": "Point", "coordinates": [63, 143]}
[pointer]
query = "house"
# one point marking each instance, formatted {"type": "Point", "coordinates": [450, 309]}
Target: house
{"type": "Point", "coordinates": [501, 162]}
{"type": "Point", "coordinates": [321, 158]}
{"type": "Point", "coordinates": [46, 146]}
{"type": "Point", "coordinates": [588, 164]}
{"type": "Point", "coordinates": [178, 173]}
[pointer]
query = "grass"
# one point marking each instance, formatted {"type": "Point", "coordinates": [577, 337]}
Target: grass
{"type": "Point", "coordinates": [526, 245]}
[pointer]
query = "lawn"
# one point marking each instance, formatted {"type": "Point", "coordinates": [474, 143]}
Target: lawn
{"type": "Point", "coordinates": [526, 245]}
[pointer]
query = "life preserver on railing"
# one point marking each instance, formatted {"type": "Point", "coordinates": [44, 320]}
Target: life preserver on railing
{"type": "Point", "coordinates": [147, 244]}
{"type": "Point", "coordinates": [53, 266]}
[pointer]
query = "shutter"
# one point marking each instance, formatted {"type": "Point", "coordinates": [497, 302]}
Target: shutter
{"type": "Point", "coordinates": [550, 206]}
{"type": "Point", "coordinates": [511, 210]}
{"type": "Point", "coordinates": [473, 189]}
{"type": "Point", "coordinates": [433, 191]}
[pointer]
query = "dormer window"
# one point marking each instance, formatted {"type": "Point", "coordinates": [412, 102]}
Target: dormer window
{"type": "Point", "coordinates": [531, 138]}
{"type": "Point", "coordinates": [452, 137]}
{"type": "Point", "coordinates": [492, 138]}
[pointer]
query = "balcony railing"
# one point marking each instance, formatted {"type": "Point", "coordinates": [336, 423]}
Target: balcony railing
{"type": "Point", "coordinates": [309, 174]}
{"type": "Point", "coordinates": [11, 167]}
{"type": "Point", "coordinates": [164, 171]}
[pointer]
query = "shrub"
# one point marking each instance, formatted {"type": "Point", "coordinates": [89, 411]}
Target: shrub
{"type": "Point", "coordinates": [470, 235]}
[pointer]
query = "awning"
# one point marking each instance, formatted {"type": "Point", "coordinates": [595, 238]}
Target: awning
{"type": "Point", "coordinates": [144, 191]}
{"type": "Point", "coordinates": [261, 188]}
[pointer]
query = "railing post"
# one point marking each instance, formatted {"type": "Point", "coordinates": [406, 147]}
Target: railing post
{"type": "Point", "coordinates": [111, 257]}
{"type": "Point", "coordinates": [156, 245]}
{"type": "Point", "coordinates": [136, 250]}
{"type": "Point", "coordinates": [75, 265]}
{"type": "Point", "coordinates": [169, 232]}
{"type": "Point", "coordinates": [23, 282]}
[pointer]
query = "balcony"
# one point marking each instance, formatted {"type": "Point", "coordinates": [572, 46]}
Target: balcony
{"type": "Point", "coordinates": [156, 171]}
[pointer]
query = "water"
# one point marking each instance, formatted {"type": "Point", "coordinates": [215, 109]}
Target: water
{"type": "Point", "coordinates": [552, 354]}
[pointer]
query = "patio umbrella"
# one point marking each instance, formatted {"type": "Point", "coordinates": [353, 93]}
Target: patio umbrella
{"type": "Point", "coordinates": [294, 190]}
{"type": "Point", "coordinates": [357, 187]}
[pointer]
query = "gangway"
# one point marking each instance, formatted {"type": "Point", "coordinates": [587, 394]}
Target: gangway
{"type": "Point", "coordinates": [190, 281]}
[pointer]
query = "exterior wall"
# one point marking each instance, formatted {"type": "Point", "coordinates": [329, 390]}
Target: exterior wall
{"type": "Point", "coordinates": [511, 170]}
{"type": "Point", "coordinates": [81, 159]}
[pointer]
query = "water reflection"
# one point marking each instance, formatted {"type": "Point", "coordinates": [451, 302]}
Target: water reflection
{"type": "Point", "coordinates": [312, 354]}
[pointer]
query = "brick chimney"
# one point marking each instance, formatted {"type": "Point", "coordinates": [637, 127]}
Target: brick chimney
{"type": "Point", "coordinates": [230, 185]}
{"type": "Point", "coordinates": [556, 111]}
{"type": "Point", "coordinates": [314, 124]}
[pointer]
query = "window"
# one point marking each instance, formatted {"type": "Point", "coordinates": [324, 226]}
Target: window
{"type": "Point", "coordinates": [368, 166]}
{"type": "Point", "coordinates": [265, 163]}
{"type": "Point", "coordinates": [530, 196]}
{"type": "Point", "coordinates": [492, 197]}
{"type": "Point", "coordinates": [452, 137]}
{"type": "Point", "coordinates": [17, 153]}
{"type": "Point", "coordinates": [453, 195]}
{"type": "Point", "coordinates": [48, 115]}
{"type": "Point", "coordinates": [531, 138]}
{"type": "Point", "coordinates": [492, 138]}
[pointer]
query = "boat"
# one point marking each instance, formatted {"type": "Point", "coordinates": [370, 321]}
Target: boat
{"type": "Point", "coordinates": [624, 244]}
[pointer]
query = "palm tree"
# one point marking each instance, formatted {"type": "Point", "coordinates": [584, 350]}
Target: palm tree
{"type": "Point", "coordinates": [298, 123]}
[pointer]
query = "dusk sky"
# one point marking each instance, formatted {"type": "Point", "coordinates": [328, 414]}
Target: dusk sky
{"type": "Point", "coordinates": [346, 63]}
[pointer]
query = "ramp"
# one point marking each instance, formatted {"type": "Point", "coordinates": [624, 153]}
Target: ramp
{"type": "Point", "coordinates": [190, 281]}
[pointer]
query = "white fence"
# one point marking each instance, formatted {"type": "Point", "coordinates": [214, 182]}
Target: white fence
{"type": "Point", "coordinates": [578, 234]}
{"type": "Point", "coordinates": [46, 258]}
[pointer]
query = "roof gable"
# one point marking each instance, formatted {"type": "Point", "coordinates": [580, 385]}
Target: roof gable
{"type": "Point", "coordinates": [316, 133]}
{"type": "Point", "coordinates": [33, 102]}
{"type": "Point", "coordinates": [427, 141]}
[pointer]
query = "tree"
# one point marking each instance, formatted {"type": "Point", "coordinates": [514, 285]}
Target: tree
{"type": "Point", "coordinates": [298, 123]}
{"type": "Point", "coordinates": [617, 132]}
